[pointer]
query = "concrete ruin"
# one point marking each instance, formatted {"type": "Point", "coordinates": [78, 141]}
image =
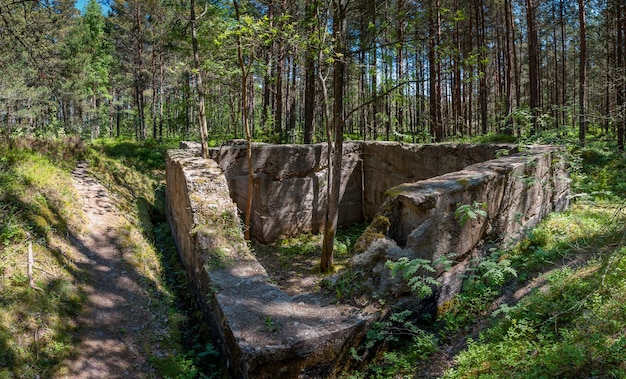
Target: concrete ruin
{"type": "Point", "coordinates": [410, 191]}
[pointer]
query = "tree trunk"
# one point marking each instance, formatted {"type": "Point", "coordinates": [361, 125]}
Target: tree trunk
{"type": "Point", "coordinates": [139, 97]}
{"type": "Point", "coordinates": [332, 209]}
{"type": "Point", "coordinates": [564, 99]}
{"type": "Point", "coordinates": [508, 128]}
{"type": "Point", "coordinates": [533, 64]}
{"type": "Point", "coordinates": [246, 126]}
{"type": "Point", "coordinates": [199, 83]}
{"type": "Point", "coordinates": [279, 100]}
{"type": "Point", "coordinates": [480, 23]}
{"type": "Point", "coordinates": [434, 95]}
{"type": "Point", "coordinates": [621, 90]}
{"type": "Point", "coordinates": [154, 95]}
{"type": "Point", "coordinates": [582, 118]}
{"type": "Point", "coordinates": [309, 91]}
{"type": "Point", "coordinates": [161, 95]}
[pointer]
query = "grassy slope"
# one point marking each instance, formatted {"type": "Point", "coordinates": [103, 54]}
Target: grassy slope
{"type": "Point", "coordinates": [573, 322]}
{"type": "Point", "coordinates": [38, 205]}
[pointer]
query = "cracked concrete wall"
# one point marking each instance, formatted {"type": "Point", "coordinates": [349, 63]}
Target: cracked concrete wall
{"type": "Point", "coordinates": [388, 164]}
{"type": "Point", "coordinates": [418, 219]}
{"type": "Point", "coordinates": [290, 180]}
{"type": "Point", "coordinates": [305, 337]}
{"type": "Point", "coordinates": [289, 186]}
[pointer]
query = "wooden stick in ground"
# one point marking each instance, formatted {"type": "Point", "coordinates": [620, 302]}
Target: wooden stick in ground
{"type": "Point", "coordinates": [31, 281]}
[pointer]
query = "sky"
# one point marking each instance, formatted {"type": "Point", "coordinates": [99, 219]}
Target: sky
{"type": "Point", "coordinates": [82, 4]}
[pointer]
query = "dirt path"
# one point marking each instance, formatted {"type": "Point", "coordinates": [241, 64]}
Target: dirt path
{"type": "Point", "coordinates": [112, 326]}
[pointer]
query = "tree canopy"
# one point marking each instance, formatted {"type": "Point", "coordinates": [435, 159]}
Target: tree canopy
{"type": "Point", "coordinates": [417, 71]}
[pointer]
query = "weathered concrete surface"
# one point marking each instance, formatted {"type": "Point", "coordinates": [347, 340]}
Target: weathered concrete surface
{"type": "Point", "coordinates": [289, 195]}
{"type": "Point", "coordinates": [417, 220]}
{"type": "Point", "coordinates": [262, 332]}
{"type": "Point", "coordinates": [388, 164]}
{"type": "Point", "coordinates": [266, 334]}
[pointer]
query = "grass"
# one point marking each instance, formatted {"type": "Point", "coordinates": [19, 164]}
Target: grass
{"type": "Point", "coordinates": [572, 323]}
{"type": "Point", "coordinates": [294, 261]}
{"type": "Point", "coordinates": [38, 207]}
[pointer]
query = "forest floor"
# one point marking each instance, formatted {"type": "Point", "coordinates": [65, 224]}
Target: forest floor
{"type": "Point", "coordinates": [116, 323]}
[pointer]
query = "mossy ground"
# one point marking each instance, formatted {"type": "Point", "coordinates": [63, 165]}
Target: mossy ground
{"type": "Point", "coordinates": [38, 208]}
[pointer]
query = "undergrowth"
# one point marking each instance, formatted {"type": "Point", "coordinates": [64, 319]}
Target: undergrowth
{"type": "Point", "coordinates": [550, 306]}
{"type": "Point", "coordinates": [39, 208]}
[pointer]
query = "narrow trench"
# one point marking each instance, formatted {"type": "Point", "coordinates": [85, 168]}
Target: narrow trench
{"type": "Point", "coordinates": [195, 335]}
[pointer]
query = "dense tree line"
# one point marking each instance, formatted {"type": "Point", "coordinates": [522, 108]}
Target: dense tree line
{"type": "Point", "coordinates": [413, 70]}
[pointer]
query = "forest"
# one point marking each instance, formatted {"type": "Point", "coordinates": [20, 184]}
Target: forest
{"type": "Point", "coordinates": [294, 71]}
{"type": "Point", "coordinates": [112, 84]}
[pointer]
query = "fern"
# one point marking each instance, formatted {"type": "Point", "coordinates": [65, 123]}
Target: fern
{"type": "Point", "coordinates": [467, 212]}
{"type": "Point", "coordinates": [422, 285]}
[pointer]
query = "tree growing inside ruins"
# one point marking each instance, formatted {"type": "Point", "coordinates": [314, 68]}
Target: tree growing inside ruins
{"type": "Point", "coordinates": [334, 165]}
{"type": "Point", "coordinates": [245, 72]}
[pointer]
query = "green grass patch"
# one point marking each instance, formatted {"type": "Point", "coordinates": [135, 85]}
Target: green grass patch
{"type": "Point", "coordinates": [38, 207]}
{"type": "Point", "coordinates": [304, 251]}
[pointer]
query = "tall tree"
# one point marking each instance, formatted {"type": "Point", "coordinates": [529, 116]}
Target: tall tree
{"type": "Point", "coordinates": [96, 63]}
{"type": "Point", "coordinates": [198, 73]}
{"type": "Point", "coordinates": [533, 63]}
{"type": "Point", "coordinates": [334, 166]}
{"type": "Point", "coordinates": [582, 81]}
{"type": "Point", "coordinates": [620, 16]}
{"type": "Point", "coordinates": [310, 75]}
{"type": "Point", "coordinates": [245, 70]}
{"type": "Point", "coordinates": [436, 128]}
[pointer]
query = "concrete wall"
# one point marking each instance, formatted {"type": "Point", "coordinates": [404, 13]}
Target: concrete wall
{"type": "Point", "coordinates": [290, 180]}
{"type": "Point", "coordinates": [290, 186]}
{"type": "Point", "coordinates": [415, 219]}
{"type": "Point", "coordinates": [517, 192]}
{"type": "Point", "coordinates": [304, 337]}
{"type": "Point", "coordinates": [388, 164]}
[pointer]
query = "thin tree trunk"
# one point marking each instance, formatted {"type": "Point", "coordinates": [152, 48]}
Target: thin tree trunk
{"type": "Point", "coordinates": [332, 209]}
{"type": "Point", "coordinates": [246, 126]}
{"type": "Point", "coordinates": [309, 91]}
{"type": "Point", "coordinates": [434, 95]}
{"type": "Point", "coordinates": [141, 126]}
{"type": "Point", "coordinates": [161, 95]}
{"type": "Point", "coordinates": [533, 65]}
{"type": "Point", "coordinates": [621, 90]}
{"type": "Point", "coordinates": [582, 121]}
{"type": "Point", "coordinates": [199, 83]}
{"type": "Point", "coordinates": [564, 99]}
{"type": "Point", "coordinates": [154, 94]}
{"type": "Point", "coordinates": [508, 129]}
